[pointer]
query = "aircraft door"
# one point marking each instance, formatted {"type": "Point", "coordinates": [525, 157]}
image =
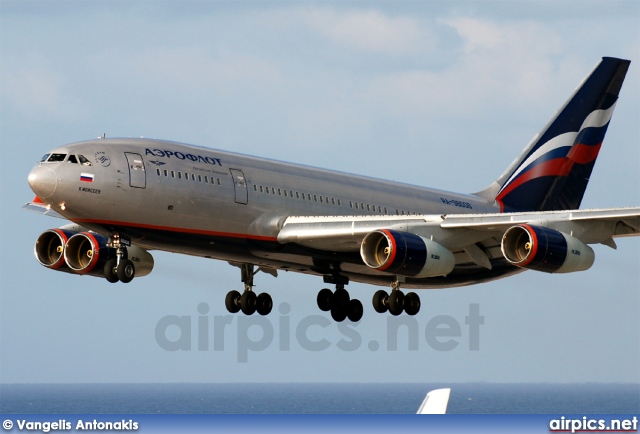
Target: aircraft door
{"type": "Point", "coordinates": [240, 186]}
{"type": "Point", "coordinates": [137, 175]}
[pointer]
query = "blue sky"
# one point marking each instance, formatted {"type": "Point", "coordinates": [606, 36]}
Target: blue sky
{"type": "Point", "coordinates": [440, 94]}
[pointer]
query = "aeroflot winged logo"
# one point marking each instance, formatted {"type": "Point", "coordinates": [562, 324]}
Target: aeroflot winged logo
{"type": "Point", "coordinates": [183, 156]}
{"type": "Point", "coordinates": [103, 159]}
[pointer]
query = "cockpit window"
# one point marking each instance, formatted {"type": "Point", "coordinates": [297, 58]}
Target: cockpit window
{"type": "Point", "coordinates": [44, 157]}
{"type": "Point", "coordinates": [72, 159]}
{"type": "Point", "coordinates": [56, 157]}
{"type": "Point", "coordinates": [84, 161]}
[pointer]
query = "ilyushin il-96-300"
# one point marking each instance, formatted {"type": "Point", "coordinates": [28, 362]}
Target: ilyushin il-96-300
{"type": "Point", "coordinates": [126, 197]}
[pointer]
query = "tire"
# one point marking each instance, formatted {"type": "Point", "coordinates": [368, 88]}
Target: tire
{"type": "Point", "coordinates": [339, 313]}
{"type": "Point", "coordinates": [248, 302]}
{"type": "Point", "coordinates": [324, 299]}
{"type": "Point", "coordinates": [110, 271]}
{"type": "Point", "coordinates": [231, 302]}
{"type": "Point", "coordinates": [379, 301]}
{"type": "Point", "coordinates": [126, 271]}
{"type": "Point", "coordinates": [412, 303]}
{"type": "Point", "coordinates": [396, 302]}
{"type": "Point", "coordinates": [355, 310]}
{"type": "Point", "coordinates": [264, 304]}
{"type": "Point", "coordinates": [340, 299]}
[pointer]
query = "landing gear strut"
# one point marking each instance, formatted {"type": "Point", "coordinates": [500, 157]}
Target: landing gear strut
{"type": "Point", "coordinates": [248, 302]}
{"type": "Point", "coordinates": [339, 303]}
{"type": "Point", "coordinates": [396, 302]}
{"type": "Point", "coordinates": [119, 268]}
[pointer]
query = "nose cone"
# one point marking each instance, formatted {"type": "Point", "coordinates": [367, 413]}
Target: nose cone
{"type": "Point", "coordinates": [43, 181]}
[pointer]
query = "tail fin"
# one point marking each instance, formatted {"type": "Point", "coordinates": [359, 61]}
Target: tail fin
{"type": "Point", "coordinates": [553, 171]}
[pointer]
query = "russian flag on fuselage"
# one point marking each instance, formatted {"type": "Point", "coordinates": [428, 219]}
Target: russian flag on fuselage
{"type": "Point", "coordinates": [86, 177]}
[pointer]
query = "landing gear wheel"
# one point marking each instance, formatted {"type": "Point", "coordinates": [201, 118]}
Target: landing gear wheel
{"type": "Point", "coordinates": [379, 301]}
{"type": "Point", "coordinates": [411, 303]}
{"type": "Point", "coordinates": [338, 313]}
{"type": "Point", "coordinates": [324, 299]}
{"type": "Point", "coordinates": [264, 304]}
{"type": "Point", "coordinates": [340, 298]}
{"type": "Point", "coordinates": [355, 310]}
{"type": "Point", "coordinates": [396, 302]}
{"type": "Point", "coordinates": [110, 271]}
{"type": "Point", "coordinates": [248, 302]}
{"type": "Point", "coordinates": [126, 271]}
{"type": "Point", "coordinates": [232, 301]}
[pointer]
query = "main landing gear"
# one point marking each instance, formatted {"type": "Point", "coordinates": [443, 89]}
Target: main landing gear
{"type": "Point", "coordinates": [396, 302]}
{"type": "Point", "coordinates": [339, 302]}
{"type": "Point", "coordinates": [248, 302]}
{"type": "Point", "coordinates": [119, 269]}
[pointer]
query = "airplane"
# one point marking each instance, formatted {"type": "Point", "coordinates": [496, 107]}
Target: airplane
{"type": "Point", "coordinates": [125, 197]}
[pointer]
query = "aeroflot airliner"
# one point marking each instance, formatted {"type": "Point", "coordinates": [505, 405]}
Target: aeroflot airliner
{"type": "Point", "coordinates": [125, 197]}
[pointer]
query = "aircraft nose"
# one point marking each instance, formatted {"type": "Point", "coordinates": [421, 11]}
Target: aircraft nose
{"type": "Point", "coordinates": [43, 181]}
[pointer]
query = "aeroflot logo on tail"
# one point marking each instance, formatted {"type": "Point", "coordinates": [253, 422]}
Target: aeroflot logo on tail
{"type": "Point", "coordinates": [183, 156]}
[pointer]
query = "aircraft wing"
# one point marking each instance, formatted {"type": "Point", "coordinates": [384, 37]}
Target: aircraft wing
{"type": "Point", "coordinates": [459, 231]}
{"type": "Point", "coordinates": [41, 208]}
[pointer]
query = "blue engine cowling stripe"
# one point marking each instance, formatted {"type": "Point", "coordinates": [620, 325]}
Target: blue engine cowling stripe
{"type": "Point", "coordinates": [551, 251]}
{"type": "Point", "coordinates": [411, 254]}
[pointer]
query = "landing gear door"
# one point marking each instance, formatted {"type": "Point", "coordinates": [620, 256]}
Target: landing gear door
{"type": "Point", "coordinates": [240, 186]}
{"type": "Point", "coordinates": [137, 175]}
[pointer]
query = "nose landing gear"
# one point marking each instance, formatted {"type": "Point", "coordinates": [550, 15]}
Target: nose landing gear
{"type": "Point", "coordinates": [120, 268]}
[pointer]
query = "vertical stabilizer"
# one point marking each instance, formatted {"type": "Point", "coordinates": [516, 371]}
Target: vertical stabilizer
{"type": "Point", "coordinates": [553, 171]}
{"type": "Point", "coordinates": [435, 402]}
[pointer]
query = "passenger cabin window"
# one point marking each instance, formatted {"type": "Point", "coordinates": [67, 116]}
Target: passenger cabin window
{"type": "Point", "coordinates": [72, 159]}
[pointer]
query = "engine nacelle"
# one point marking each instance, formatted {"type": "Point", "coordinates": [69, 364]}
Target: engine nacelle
{"type": "Point", "coordinates": [87, 253]}
{"type": "Point", "coordinates": [543, 249]}
{"type": "Point", "coordinates": [405, 254]}
{"type": "Point", "coordinates": [49, 248]}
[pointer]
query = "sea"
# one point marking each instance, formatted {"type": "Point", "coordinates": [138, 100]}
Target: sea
{"type": "Point", "coordinates": [326, 398]}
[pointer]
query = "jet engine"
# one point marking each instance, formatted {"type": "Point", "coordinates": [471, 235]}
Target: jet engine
{"type": "Point", "coordinates": [544, 249]}
{"type": "Point", "coordinates": [87, 253]}
{"type": "Point", "coordinates": [49, 248]}
{"type": "Point", "coordinates": [405, 254]}
{"type": "Point", "coordinates": [70, 250]}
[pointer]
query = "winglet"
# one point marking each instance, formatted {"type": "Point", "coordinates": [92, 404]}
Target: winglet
{"type": "Point", "coordinates": [435, 402]}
